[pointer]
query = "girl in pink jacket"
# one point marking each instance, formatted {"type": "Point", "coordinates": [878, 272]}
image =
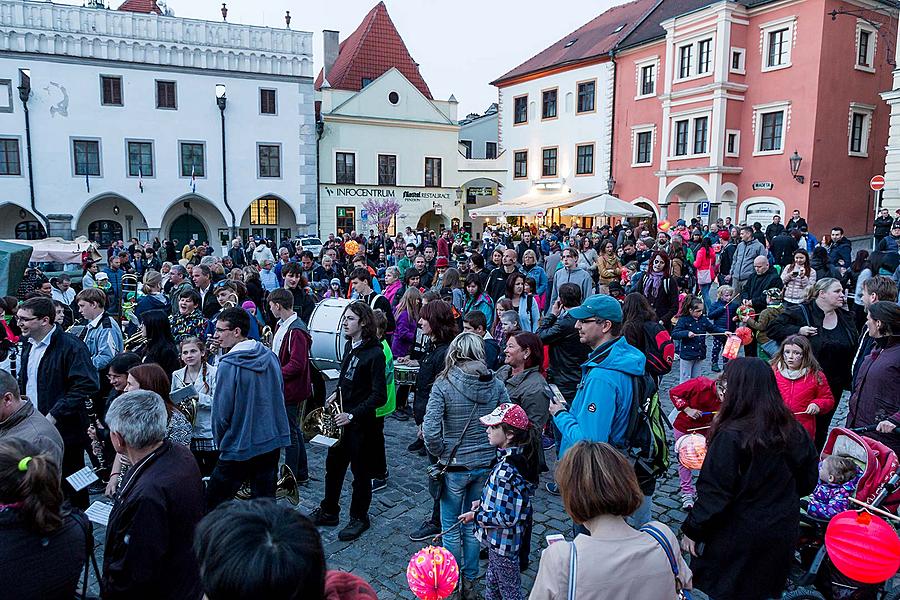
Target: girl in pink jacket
{"type": "Point", "coordinates": [802, 383]}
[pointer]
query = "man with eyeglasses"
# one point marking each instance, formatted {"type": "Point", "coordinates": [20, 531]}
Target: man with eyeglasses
{"type": "Point", "coordinates": [57, 375]}
{"type": "Point", "coordinates": [249, 419]}
{"type": "Point", "coordinates": [571, 273]}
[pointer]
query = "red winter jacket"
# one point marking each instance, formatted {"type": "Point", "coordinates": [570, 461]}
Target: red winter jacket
{"type": "Point", "coordinates": [294, 360]}
{"type": "Point", "coordinates": [699, 393]}
{"type": "Point", "coordinates": [800, 393]}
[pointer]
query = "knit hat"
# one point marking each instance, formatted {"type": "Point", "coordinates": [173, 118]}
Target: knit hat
{"type": "Point", "coordinates": [441, 262]}
{"type": "Point", "coordinates": [511, 414]}
{"type": "Point", "coordinates": [248, 305]}
{"type": "Point", "coordinates": [335, 281]}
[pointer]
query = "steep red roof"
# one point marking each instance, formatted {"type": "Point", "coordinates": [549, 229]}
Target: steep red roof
{"type": "Point", "coordinates": [141, 6]}
{"type": "Point", "coordinates": [369, 52]}
{"type": "Point", "coordinates": [589, 42]}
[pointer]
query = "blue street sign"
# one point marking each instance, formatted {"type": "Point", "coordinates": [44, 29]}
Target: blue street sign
{"type": "Point", "coordinates": [364, 214]}
{"type": "Point", "coordinates": [704, 208]}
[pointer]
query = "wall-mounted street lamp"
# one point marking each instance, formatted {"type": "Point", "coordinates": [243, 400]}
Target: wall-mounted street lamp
{"type": "Point", "coordinates": [795, 160]}
{"type": "Point", "coordinates": [222, 102]}
{"type": "Point", "coordinates": [610, 184]}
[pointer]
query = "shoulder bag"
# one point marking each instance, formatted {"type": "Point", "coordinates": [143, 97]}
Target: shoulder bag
{"type": "Point", "coordinates": [663, 541]}
{"type": "Point", "coordinates": [437, 472]}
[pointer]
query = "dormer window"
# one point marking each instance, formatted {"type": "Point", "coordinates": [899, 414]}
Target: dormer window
{"type": "Point", "coordinates": [570, 42]}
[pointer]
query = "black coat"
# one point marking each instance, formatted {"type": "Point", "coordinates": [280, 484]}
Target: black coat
{"type": "Point", "coordinates": [567, 353]}
{"type": "Point", "coordinates": [664, 303]}
{"type": "Point", "coordinates": [362, 381]}
{"type": "Point", "coordinates": [150, 534]}
{"type": "Point", "coordinates": [68, 378]}
{"type": "Point", "coordinates": [46, 566]}
{"type": "Point", "coordinates": [782, 248]}
{"type": "Point", "coordinates": [429, 367]}
{"type": "Point", "coordinates": [757, 284]}
{"type": "Point", "coordinates": [834, 350]}
{"type": "Point", "coordinates": [210, 304]}
{"type": "Point", "coordinates": [747, 514]}
{"type": "Point", "coordinates": [875, 396]}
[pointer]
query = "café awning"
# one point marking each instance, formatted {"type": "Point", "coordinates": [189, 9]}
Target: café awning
{"type": "Point", "coordinates": [533, 204]}
{"type": "Point", "coordinates": [606, 205]}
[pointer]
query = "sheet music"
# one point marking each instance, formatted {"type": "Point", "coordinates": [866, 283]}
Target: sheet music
{"type": "Point", "coordinates": [322, 440]}
{"type": "Point", "coordinates": [83, 478]}
{"type": "Point", "coordinates": [331, 374]}
{"type": "Point", "coordinates": [98, 512]}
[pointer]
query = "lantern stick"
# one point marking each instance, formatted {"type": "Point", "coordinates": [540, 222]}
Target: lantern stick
{"type": "Point", "coordinates": [803, 412]}
{"type": "Point", "coordinates": [874, 509]}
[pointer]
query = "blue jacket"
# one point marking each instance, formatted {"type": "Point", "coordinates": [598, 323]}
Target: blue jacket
{"type": "Point", "coordinates": [104, 341]}
{"type": "Point", "coordinates": [722, 315]}
{"type": "Point", "coordinates": [693, 348]}
{"type": "Point", "coordinates": [599, 411]}
{"type": "Point", "coordinates": [248, 413]}
{"type": "Point", "coordinates": [540, 278]}
{"type": "Point", "coordinates": [115, 280]}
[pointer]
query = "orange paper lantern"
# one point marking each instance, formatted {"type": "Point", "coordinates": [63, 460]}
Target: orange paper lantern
{"type": "Point", "coordinates": [432, 573]}
{"type": "Point", "coordinates": [691, 449]}
{"type": "Point", "coordinates": [664, 226]}
{"type": "Point", "coordinates": [863, 546]}
{"type": "Point", "coordinates": [732, 347]}
{"type": "Point", "coordinates": [351, 248]}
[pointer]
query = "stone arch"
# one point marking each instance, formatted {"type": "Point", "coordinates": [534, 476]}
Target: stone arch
{"type": "Point", "coordinates": [113, 207]}
{"type": "Point", "coordinates": [12, 215]}
{"type": "Point", "coordinates": [206, 212]}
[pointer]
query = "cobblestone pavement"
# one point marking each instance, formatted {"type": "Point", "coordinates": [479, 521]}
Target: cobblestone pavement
{"type": "Point", "coordinates": [381, 555]}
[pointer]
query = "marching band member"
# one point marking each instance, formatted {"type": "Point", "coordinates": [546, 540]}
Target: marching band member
{"type": "Point", "coordinates": [202, 376]}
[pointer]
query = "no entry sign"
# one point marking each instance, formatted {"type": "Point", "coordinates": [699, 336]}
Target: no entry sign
{"type": "Point", "coordinates": [877, 183]}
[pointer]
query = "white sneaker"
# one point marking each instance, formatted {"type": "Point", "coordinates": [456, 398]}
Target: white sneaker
{"type": "Point", "coordinates": [687, 501]}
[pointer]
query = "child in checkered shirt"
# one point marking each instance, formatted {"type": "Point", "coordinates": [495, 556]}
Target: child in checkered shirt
{"type": "Point", "coordinates": [505, 506]}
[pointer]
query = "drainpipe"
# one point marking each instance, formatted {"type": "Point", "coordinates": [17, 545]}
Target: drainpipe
{"type": "Point", "coordinates": [320, 130]}
{"type": "Point", "coordinates": [24, 93]}
{"type": "Point", "coordinates": [222, 101]}
{"type": "Point", "coordinates": [612, 121]}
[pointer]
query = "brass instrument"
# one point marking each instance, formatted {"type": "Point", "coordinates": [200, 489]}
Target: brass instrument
{"type": "Point", "coordinates": [285, 488]}
{"type": "Point", "coordinates": [228, 304]}
{"type": "Point", "coordinates": [268, 336]}
{"type": "Point", "coordinates": [189, 408]}
{"type": "Point", "coordinates": [322, 421]}
{"type": "Point", "coordinates": [135, 342]}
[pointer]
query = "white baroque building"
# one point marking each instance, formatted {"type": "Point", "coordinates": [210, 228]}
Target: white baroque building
{"type": "Point", "coordinates": [127, 133]}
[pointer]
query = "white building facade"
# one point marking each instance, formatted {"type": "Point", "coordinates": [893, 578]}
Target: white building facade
{"type": "Point", "coordinates": [555, 133]}
{"type": "Point", "coordinates": [126, 126]}
{"type": "Point", "coordinates": [890, 196]}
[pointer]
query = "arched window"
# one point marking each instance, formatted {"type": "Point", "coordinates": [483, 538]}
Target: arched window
{"type": "Point", "coordinates": [30, 230]}
{"type": "Point", "coordinates": [105, 232]}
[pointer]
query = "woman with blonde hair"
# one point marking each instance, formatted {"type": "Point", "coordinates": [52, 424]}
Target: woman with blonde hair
{"type": "Point", "coordinates": [463, 392]}
{"type": "Point", "coordinates": [153, 297]}
{"type": "Point", "coordinates": [803, 385]}
{"type": "Point", "coordinates": [599, 490]}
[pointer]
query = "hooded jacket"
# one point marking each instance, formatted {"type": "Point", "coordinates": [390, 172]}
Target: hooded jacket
{"type": "Point", "coordinates": [362, 381]}
{"type": "Point", "coordinates": [799, 393]}
{"type": "Point", "coordinates": [248, 413]}
{"type": "Point", "coordinates": [578, 276]}
{"type": "Point", "coordinates": [467, 387]}
{"type": "Point", "coordinates": [839, 253]}
{"type": "Point", "coordinates": [599, 412]}
{"type": "Point", "coordinates": [742, 263]}
{"type": "Point", "coordinates": [529, 390]}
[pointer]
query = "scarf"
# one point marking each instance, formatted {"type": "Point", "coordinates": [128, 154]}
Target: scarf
{"type": "Point", "coordinates": [392, 290]}
{"type": "Point", "coordinates": [653, 279]}
{"type": "Point", "coordinates": [792, 374]}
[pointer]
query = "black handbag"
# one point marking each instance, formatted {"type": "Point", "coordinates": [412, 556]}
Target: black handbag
{"type": "Point", "coordinates": [437, 472]}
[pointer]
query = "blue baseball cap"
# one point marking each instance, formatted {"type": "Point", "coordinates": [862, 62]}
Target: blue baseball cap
{"type": "Point", "coordinates": [599, 306]}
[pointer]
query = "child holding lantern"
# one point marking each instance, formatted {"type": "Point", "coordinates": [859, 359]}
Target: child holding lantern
{"type": "Point", "coordinates": [697, 401]}
{"type": "Point", "coordinates": [691, 330]}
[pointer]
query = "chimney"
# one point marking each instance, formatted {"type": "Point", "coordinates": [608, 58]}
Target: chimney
{"type": "Point", "coordinates": [330, 41]}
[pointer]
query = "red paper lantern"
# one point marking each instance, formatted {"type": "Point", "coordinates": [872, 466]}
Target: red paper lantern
{"type": "Point", "coordinates": [663, 225]}
{"type": "Point", "coordinates": [745, 334]}
{"type": "Point", "coordinates": [862, 546]}
{"type": "Point", "coordinates": [732, 347]}
{"type": "Point", "coordinates": [432, 573]}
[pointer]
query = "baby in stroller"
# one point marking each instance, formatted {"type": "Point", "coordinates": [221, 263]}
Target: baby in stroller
{"type": "Point", "coordinates": [838, 477]}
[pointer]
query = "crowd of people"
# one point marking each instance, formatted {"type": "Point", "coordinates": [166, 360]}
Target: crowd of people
{"type": "Point", "coordinates": [526, 345]}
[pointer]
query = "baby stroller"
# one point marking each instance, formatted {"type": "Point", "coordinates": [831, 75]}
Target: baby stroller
{"type": "Point", "coordinates": [878, 486]}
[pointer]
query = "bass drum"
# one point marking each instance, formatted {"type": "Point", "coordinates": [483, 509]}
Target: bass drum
{"type": "Point", "coordinates": [326, 327]}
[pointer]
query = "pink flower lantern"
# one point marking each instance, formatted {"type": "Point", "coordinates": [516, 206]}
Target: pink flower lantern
{"type": "Point", "coordinates": [432, 573]}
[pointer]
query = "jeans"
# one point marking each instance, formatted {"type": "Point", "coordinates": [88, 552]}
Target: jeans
{"type": "Point", "coordinates": [461, 489]}
{"type": "Point", "coordinates": [229, 475]}
{"type": "Point", "coordinates": [689, 369]}
{"type": "Point", "coordinates": [295, 454]}
{"type": "Point", "coordinates": [704, 292]}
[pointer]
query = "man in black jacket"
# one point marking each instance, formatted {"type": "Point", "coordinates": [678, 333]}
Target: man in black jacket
{"type": "Point", "coordinates": [361, 389]}
{"type": "Point", "coordinates": [57, 375]}
{"type": "Point", "coordinates": [527, 243]}
{"type": "Point", "coordinates": [149, 552]}
{"type": "Point", "coordinates": [202, 277]}
{"type": "Point", "coordinates": [567, 353]}
{"type": "Point", "coordinates": [883, 225]}
{"type": "Point", "coordinates": [496, 285]}
{"type": "Point", "coordinates": [753, 294]}
{"type": "Point", "coordinates": [774, 228]}
{"type": "Point", "coordinates": [361, 280]}
{"type": "Point", "coordinates": [782, 247]}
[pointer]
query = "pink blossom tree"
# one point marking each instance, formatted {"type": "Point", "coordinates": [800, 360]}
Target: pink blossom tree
{"type": "Point", "coordinates": [381, 211]}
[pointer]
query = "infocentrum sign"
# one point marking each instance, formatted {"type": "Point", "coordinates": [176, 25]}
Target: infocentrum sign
{"type": "Point", "coordinates": [397, 193]}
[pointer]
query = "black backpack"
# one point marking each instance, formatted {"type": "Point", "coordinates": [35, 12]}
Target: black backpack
{"type": "Point", "coordinates": [645, 437]}
{"type": "Point", "coordinates": [658, 348]}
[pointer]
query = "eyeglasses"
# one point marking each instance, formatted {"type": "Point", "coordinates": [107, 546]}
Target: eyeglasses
{"type": "Point", "coordinates": [26, 319]}
{"type": "Point", "coordinates": [223, 329]}
{"type": "Point", "coordinates": [590, 320]}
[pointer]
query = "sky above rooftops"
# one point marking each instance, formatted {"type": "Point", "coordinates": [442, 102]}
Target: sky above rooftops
{"type": "Point", "coordinates": [460, 45]}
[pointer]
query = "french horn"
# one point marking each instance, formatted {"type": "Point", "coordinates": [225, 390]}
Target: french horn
{"type": "Point", "coordinates": [286, 487]}
{"type": "Point", "coordinates": [323, 420]}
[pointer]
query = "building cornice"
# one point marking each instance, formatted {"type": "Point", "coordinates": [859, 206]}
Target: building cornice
{"type": "Point", "coordinates": [723, 170]}
{"type": "Point", "coordinates": [44, 28]}
{"type": "Point", "coordinates": [382, 122]}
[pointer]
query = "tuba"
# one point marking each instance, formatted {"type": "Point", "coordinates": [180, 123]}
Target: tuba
{"type": "Point", "coordinates": [321, 421]}
{"type": "Point", "coordinates": [285, 488]}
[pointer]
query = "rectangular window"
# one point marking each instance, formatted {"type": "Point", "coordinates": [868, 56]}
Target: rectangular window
{"type": "Point", "coordinates": [703, 56]}
{"type": "Point", "coordinates": [490, 149]}
{"type": "Point", "coordinates": [432, 172]}
{"type": "Point", "coordinates": [584, 159]}
{"type": "Point", "coordinates": [548, 162]}
{"type": "Point", "coordinates": [857, 133]}
{"type": "Point", "coordinates": [140, 159]}
{"type": "Point", "coordinates": [644, 148]}
{"type": "Point", "coordinates": [111, 90]}
{"type": "Point", "coordinates": [648, 80]}
{"type": "Point", "coordinates": [520, 110]}
{"type": "Point", "coordinates": [87, 157]}
{"type": "Point", "coordinates": [685, 58]}
{"type": "Point", "coordinates": [701, 128]}
{"type": "Point", "coordinates": [387, 169]}
{"type": "Point", "coordinates": [548, 104]}
{"type": "Point", "coordinates": [267, 102]}
{"type": "Point", "coordinates": [732, 141]}
{"type": "Point", "coordinates": [10, 163]}
{"type": "Point", "coordinates": [345, 219]}
{"type": "Point", "coordinates": [770, 132]}
{"type": "Point", "coordinates": [586, 96]}
{"type": "Point", "coordinates": [192, 163]}
{"type": "Point", "coordinates": [520, 163]}
{"type": "Point", "coordinates": [779, 45]}
{"type": "Point", "coordinates": [468, 146]}
{"type": "Point", "coordinates": [269, 160]}
{"type": "Point", "coordinates": [681, 137]}
{"type": "Point", "coordinates": [165, 95]}
{"type": "Point", "coordinates": [737, 60]}
{"type": "Point", "coordinates": [865, 47]}
{"type": "Point", "coordinates": [345, 168]}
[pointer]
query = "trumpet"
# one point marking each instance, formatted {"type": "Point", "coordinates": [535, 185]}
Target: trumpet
{"type": "Point", "coordinates": [285, 488]}
{"type": "Point", "coordinates": [135, 341]}
{"type": "Point", "coordinates": [322, 421]}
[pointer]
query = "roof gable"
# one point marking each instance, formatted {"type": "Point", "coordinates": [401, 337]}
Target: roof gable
{"type": "Point", "coordinates": [590, 41]}
{"type": "Point", "coordinates": [372, 101]}
{"type": "Point", "coordinates": [141, 6]}
{"type": "Point", "coordinates": [369, 52]}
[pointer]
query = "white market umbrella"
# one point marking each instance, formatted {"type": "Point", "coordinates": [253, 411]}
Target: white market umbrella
{"type": "Point", "coordinates": [606, 205]}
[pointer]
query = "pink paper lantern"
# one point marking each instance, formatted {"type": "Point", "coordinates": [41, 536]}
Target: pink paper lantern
{"type": "Point", "coordinates": [862, 546]}
{"type": "Point", "coordinates": [691, 450]}
{"type": "Point", "coordinates": [432, 573]}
